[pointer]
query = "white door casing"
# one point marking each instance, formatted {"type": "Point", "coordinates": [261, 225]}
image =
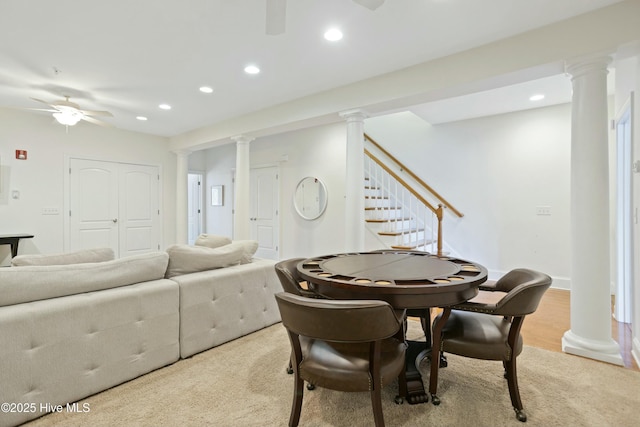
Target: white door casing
{"type": "Point", "coordinates": [265, 196]}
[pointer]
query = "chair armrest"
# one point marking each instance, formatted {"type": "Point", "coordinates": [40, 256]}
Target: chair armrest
{"type": "Point", "coordinates": [478, 307]}
{"type": "Point", "coordinates": [489, 286]}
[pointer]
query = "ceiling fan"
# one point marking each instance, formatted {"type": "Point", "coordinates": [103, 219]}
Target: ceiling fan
{"type": "Point", "coordinates": [69, 113]}
{"type": "Point", "coordinates": [277, 12]}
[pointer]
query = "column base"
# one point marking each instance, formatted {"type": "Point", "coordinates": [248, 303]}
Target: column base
{"type": "Point", "coordinates": [604, 351]}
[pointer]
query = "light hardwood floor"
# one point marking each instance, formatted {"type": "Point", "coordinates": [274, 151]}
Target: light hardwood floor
{"type": "Point", "coordinates": [545, 327]}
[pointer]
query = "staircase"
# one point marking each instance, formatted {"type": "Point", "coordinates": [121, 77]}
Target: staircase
{"type": "Point", "coordinates": [400, 209]}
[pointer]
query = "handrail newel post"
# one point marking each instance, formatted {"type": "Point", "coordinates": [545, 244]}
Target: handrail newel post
{"type": "Point", "coordinates": [439, 215]}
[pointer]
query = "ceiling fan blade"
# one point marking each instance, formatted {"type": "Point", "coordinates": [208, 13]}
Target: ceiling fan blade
{"type": "Point", "coordinates": [96, 113]}
{"type": "Point", "coordinates": [44, 102]}
{"type": "Point", "coordinates": [36, 109]}
{"type": "Point", "coordinates": [276, 17]}
{"type": "Point", "coordinates": [370, 4]}
{"type": "Point", "coordinates": [97, 122]}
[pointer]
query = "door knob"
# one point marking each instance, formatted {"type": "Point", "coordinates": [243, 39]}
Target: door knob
{"type": "Point", "coordinates": [114, 220]}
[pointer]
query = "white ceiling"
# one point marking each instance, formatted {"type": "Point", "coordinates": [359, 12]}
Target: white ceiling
{"type": "Point", "coordinates": [128, 56]}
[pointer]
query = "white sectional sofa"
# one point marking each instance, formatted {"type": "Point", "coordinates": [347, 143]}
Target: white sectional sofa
{"type": "Point", "coordinates": [68, 331]}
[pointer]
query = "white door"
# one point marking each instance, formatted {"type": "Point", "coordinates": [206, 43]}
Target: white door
{"type": "Point", "coordinates": [113, 205]}
{"type": "Point", "coordinates": [93, 205]}
{"type": "Point", "coordinates": [264, 211]}
{"type": "Point", "coordinates": [194, 201]}
{"type": "Point", "coordinates": [139, 211]}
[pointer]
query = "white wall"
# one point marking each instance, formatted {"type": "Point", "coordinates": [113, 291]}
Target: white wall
{"type": "Point", "coordinates": [39, 179]}
{"type": "Point", "coordinates": [318, 152]}
{"type": "Point", "coordinates": [496, 170]}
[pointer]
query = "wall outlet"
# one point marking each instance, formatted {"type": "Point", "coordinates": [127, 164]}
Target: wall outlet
{"type": "Point", "coordinates": [50, 211]}
{"type": "Point", "coordinates": [543, 210]}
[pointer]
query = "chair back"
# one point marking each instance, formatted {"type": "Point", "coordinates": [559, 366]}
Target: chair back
{"type": "Point", "coordinates": [524, 289]}
{"type": "Point", "coordinates": [338, 320]}
{"type": "Point", "coordinates": [289, 277]}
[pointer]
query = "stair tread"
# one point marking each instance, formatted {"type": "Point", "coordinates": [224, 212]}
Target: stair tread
{"type": "Point", "coordinates": [399, 232]}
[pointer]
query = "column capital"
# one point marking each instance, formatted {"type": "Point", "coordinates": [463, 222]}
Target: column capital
{"type": "Point", "coordinates": [182, 153]}
{"type": "Point", "coordinates": [242, 139]}
{"type": "Point", "coordinates": [582, 65]}
{"type": "Point", "coordinates": [356, 115]}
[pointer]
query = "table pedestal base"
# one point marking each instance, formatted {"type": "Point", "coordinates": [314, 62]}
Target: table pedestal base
{"type": "Point", "coordinates": [413, 391]}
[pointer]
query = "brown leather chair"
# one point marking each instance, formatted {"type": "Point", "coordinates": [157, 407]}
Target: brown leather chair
{"type": "Point", "coordinates": [345, 345]}
{"type": "Point", "coordinates": [491, 331]}
{"type": "Point", "coordinates": [290, 279]}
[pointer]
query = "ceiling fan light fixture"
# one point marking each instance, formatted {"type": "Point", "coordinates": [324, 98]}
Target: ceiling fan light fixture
{"type": "Point", "coordinates": [68, 118]}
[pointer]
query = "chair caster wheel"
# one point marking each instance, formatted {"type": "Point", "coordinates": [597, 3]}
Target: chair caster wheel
{"type": "Point", "coordinates": [520, 415]}
{"type": "Point", "coordinates": [435, 400]}
{"type": "Point", "coordinates": [290, 371]}
{"type": "Point", "coordinates": [310, 386]}
{"type": "Point", "coordinates": [399, 400]}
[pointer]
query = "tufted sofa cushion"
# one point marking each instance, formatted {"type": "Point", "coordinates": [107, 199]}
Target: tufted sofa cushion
{"type": "Point", "coordinates": [220, 305]}
{"type": "Point", "coordinates": [32, 283]}
{"type": "Point", "coordinates": [61, 350]}
{"type": "Point", "coordinates": [77, 257]}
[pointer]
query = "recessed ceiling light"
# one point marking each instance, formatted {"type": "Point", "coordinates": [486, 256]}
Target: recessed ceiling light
{"type": "Point", "coordinates": [333, 35]}
{"type": "Point", "coordinates": [164, 106]}
{"type": "Point", "coordinates": [141, 118]}
{"type": "Point", "coordinates": [537, 97]}
{"type": "Point", "coordinates": [206, 89]}
{"type": "Point", "coordinates": [251, 69]}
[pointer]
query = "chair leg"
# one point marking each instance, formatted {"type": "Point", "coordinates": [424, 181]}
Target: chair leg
{"type": "Point", "coordinates": [296, 407]}
{"type": "Point", "coordinates": [514, 392]}
{"type": "Point", "coordinates": [376, 403]}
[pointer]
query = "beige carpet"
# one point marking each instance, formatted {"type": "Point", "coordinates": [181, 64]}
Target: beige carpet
{"type": "Point", "coordinates": [244, 383]}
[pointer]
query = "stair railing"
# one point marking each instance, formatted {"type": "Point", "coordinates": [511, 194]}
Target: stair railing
{"type": "Point", "coordinates": [405, 211]}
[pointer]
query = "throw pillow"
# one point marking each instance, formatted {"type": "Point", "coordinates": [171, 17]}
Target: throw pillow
{"type": "Point", "coordinates": [212, 241]}
{"type": "Point", "coordinates": [185, 259]}
{"type": "Point", "coordinates": [249, 248]}
{"type": "Point", "coordinates": [77, 257]}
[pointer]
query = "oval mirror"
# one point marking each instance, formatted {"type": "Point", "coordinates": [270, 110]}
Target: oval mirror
{"type": "Point", "coordinates": [310, 199]}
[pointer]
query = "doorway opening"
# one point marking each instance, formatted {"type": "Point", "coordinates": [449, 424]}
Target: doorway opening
{"type": "Point", "coordinates": [624, 218]}
{"type": "Point", "coordinates": [194, 200]}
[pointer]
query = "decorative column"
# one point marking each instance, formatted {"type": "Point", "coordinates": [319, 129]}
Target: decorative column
{"type": "Point", "coordinates": [354, 181]}
{"type": "Point", "coordinates": [182, 197]}
{"type": "Point", "coordinates": [590, 333]}
{"type": "Point", "coordinates": [242, 193]}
